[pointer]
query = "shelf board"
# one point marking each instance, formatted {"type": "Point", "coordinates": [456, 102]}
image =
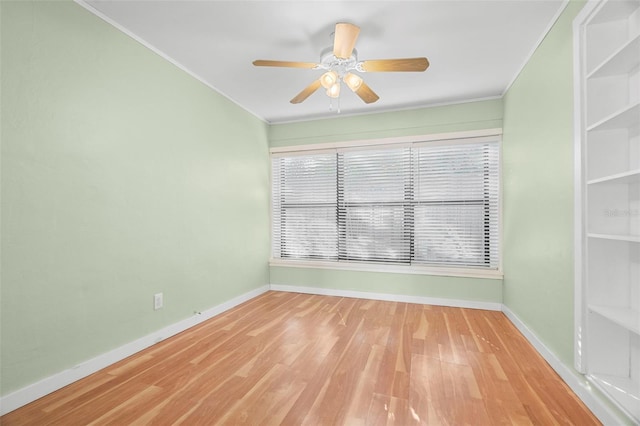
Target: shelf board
{"type": "Point", "coordinates": [632, 176]}
{"type": "Point", "coordinates": [625, 118]}
{"type": "Point", "coordinates": [624, 317]}
{"type": "Point", "coordinates": [614, 11]}
{"type": "Point", "coordinates": [629, 238]}
{"type": "Point", "coordinates": [621, 61]}
{"type": "Point", "coordinates": [623, 391]}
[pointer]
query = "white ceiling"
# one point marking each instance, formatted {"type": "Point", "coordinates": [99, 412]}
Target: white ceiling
{"type": "Point", "coordinates": [476, 47]}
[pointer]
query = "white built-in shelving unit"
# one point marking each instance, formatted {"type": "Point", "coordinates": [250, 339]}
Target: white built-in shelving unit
{"type": "Point", "coordinates": [607, 250]}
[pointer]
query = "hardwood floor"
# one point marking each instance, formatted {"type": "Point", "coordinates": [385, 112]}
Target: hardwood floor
{"type": "Point", "coordinates": [286, 358]}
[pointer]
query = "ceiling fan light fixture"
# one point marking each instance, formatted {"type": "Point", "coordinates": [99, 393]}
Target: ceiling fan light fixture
{"type": "Point", "coordinates": [353, 81]}
{"type": "Point", "coordinates": [339, 60]}
{"type": "Point", "coordinates": [328, 79]}
{"type": "Point", "coordinates": [334, 90]}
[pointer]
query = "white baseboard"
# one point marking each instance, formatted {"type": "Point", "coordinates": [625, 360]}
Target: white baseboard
{"type": "Point", "coordinates": [576, 381]}
{"type": "Point", "coordinates": [59, 380]}
{"type": "Point", "coordinates": [456, 303]}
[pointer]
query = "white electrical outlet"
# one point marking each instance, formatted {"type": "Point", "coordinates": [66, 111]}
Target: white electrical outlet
{"type": "Point", "coordinates": [157, 301]}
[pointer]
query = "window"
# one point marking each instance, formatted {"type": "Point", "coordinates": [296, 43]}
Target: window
{"type": "Point", "coordinates": [304, 198]}
{"type": "Point", "coordinates": [456, 206]}
{"type": "Point", "coordinates": [374, 205]}
{"type": "Point", "coordinates": [432, 204]}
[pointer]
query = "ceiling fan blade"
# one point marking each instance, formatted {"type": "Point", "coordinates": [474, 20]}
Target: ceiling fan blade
{"type": "Point", "coordinates": [286, 64]}
{"type": "Point", "coordinates": [366, 94]}
{"type": "Point", "coordinates": [306, 92]}
{"type": "Point", "coordinates": [344, 39]}
{"type": "Point", "coordinates": [384, 65]}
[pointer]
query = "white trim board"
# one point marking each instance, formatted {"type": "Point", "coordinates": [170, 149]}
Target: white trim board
{"type": "Point", "coordinates": [59, 380]}
{"type": "Point", "coordinates": [422, 300]}
{"type": "Point", "coordinates": [577, 382]}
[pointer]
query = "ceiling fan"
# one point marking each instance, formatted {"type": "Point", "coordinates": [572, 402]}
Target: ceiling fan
{"type": "Point", "coordinates": [339, 63]}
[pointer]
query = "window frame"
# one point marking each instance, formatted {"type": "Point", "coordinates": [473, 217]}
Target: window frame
{"type": "Point", "coordinates": [478, 136]}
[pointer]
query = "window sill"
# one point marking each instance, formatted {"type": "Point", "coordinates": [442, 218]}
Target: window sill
{"type": "Point", "coordinates": [398, 269]}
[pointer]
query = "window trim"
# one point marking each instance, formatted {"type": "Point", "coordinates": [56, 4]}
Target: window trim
{"type": "Point", "coordinates": [389, 268]}
{"type": "Point", "coordinates": [431, 140]}
{"type": "Point", "coordinates": [464, 137]}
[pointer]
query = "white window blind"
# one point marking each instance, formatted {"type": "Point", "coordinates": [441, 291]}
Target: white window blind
{"type": "Point", "coordinates": [456, 204]}
{"type": "Point", "coordinates": [304, 199]}
{"type": "Point", "coordinates": [429, 203]}
{"type": "Point", "coordinates": [374, 196]}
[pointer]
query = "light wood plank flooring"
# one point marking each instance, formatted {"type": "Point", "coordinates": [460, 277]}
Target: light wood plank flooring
{"type": "Point", "coordinates": [286, 358]}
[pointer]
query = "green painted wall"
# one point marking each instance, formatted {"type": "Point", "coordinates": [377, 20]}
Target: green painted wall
{"type": "Point", "coordinates": [538, 169]}
{"type": "Point", "coordinates": [477, 289]}
{"type": "Point", "coordinates": [538, 190]}
{"type": "Point", "coordinates": [423, 121]}
{"type": "Point", "coordinates": [122, 176]}
{"type": "Point", "coordinates": [444, 119]}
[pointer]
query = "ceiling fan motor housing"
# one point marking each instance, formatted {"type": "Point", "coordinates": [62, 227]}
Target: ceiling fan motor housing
{"type": "Point", "coordinates": [328, 61]}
